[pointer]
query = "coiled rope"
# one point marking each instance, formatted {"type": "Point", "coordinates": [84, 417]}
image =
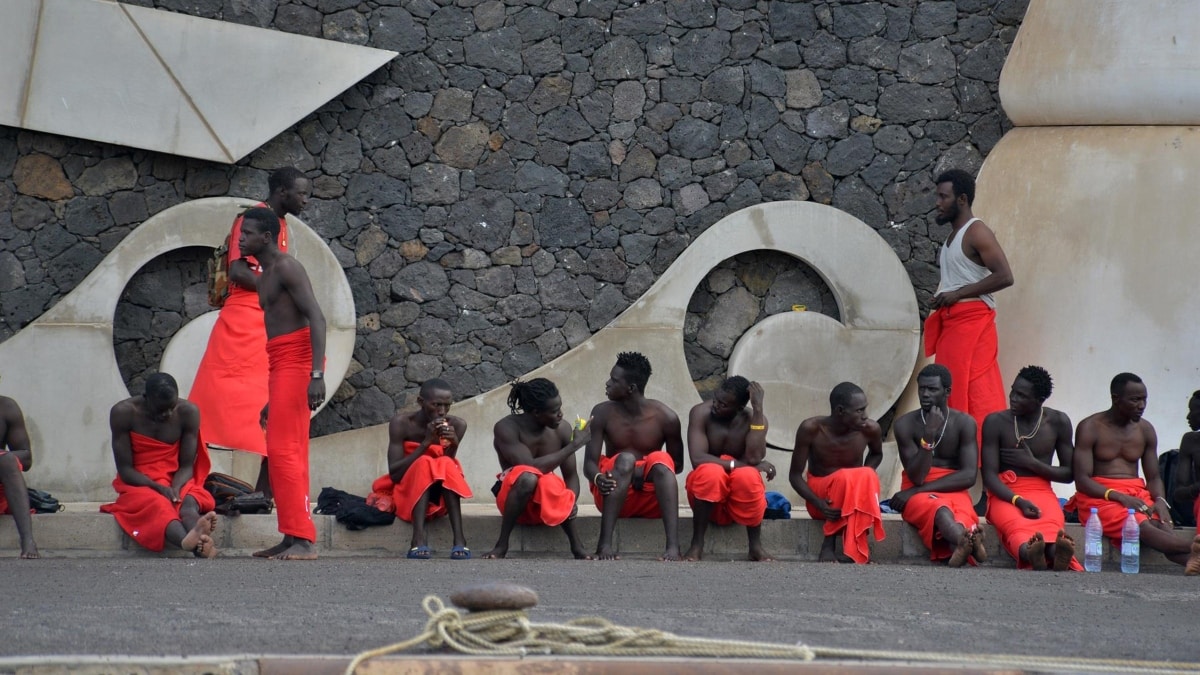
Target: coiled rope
{"type": "Point", "coordinates": [511, 633]}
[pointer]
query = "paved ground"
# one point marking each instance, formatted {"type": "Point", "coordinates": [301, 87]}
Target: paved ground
{"type": "Point", "coordinates": [342, 606]}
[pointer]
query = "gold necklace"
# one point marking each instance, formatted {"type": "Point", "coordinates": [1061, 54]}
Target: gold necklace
{"type": "Point", "coordinates": [1017, 432]}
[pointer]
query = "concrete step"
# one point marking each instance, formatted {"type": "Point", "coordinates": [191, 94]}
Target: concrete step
{"type": "Point", "coordinates": [82, 531]}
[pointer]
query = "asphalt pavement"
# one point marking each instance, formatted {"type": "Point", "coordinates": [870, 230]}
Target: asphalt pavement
{"type": "Point", "coordinates": [187, 607]}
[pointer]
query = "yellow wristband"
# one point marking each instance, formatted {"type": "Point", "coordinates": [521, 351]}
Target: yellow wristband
{"type": "Point", "coordinates": [1014, 499]}
{"type": "Point", "coordinates": [757, 427]}
{"type": "Point", "coordinates": [1106, 493]}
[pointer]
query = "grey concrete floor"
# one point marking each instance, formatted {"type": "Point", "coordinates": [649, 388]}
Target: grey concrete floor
{"type": "Point", "coordinates": [179, 606]}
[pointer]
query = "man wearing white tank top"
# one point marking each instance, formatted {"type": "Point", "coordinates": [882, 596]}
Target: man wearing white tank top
{"type": "Point", "coordinates": [961, 330]}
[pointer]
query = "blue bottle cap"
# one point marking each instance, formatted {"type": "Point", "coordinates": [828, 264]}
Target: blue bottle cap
{"type": "Point", "coordinates": [1094, 509]}
{"type": "Point", "coordinates": [1131, 512]}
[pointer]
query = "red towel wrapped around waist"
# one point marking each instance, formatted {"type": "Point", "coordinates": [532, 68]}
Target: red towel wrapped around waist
{"type": "Point", "coordinates": [4, 500]}
{"type": "Point", "coordinates": [290, 358]}
{"type": "Point", "coordinates": [638, 503]}
{"type": "Point", "coordinates": [230, 387]}
{"type": "Point", "coordinates": [431, 467]}
{"type": "Point", "coordinates": [1113, 514]}
{"type": "Point", "coordinates": [142, 512]}
{"type": "Point", "coordinates": [855, 491]}
{"type": "Point", "coordinates": [1013, 528]}
{"type": "Point", "coordinates": [921, 509]}
{"type": "Point", "coordinates": [740, 495]}
{"type": "Point", "coordinates": [551, 503]}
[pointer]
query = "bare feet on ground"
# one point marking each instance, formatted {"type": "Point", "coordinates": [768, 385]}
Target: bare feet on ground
{"type": "Point", "coordinates": [829, 552]}
{"type": "Point", "coordinates": [694, 553]}
{"type": "Point", "coordinates": [299, 550]}
{"type": "Point", "coordinates": [1192, 568]}
{"type": "Point", "coordinates": [275, 550]}
{"type": "Point", "coordinates": [671, 554]}
{"type": "Point", "coordinates": [977, 548]}
{"type": "Point", "coordinates": [496, 553]}
{"type": "Point", "coordinates": [606, 553]}
{"type": "Point", "coordinates": [1035, 551]}
{"type": "Point", "coordinates": [962, 551]}
{"type": "Point", "coordinates": [1064, 551]}
{"type": "Point", "coordinates": [28, 549]}
{"type": "Point", "coordinates": [204, 527]}
{"type": "Point", "coordinates": [206, 548]}
{"type": "Point", "coordinates": [580, 554]}
{"type": "Point", "coordinates": [760, 555]}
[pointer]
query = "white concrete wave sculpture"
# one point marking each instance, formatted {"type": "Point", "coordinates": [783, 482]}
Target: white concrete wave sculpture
{"type": "Point", "coordinates": [797, 356]}
{"type": "Point", "coordinates": [164, 81]}
{"type": "Point", "coordinates": [1099, 221]}
{"type": "Point", "coordinates": [62, 370]}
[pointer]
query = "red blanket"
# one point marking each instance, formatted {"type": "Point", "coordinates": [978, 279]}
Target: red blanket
{"type": "Point", "coordinates": [638, 503]}
{"type": "Point", "coordinates": [740, 495]}
{"type": "Point", "coordinates": [921, 509]}
{"type": "Point", "coordinates": [230, 387]}
{"type": "Point", "coordinates": [963, 337]}
{"type": "Point", "coordinates": [856, 492]}
{"type": "Point", "coordinates": [4, 500]}
{"type": "Point", "coordinates": [143, 512]}
{"type": "Point", "coordinates": [1113, 514]}
{"type": "Point", "coordinates": [431, 467]}
{"type": "Point", "coordinates": [551, 503]}
{"type": "Point", "coordinates": [287, 431]}
{"type": "Point", "coordinates": [1013, 528]}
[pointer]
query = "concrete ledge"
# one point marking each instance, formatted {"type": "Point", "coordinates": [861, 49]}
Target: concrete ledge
{"type": "Point", "coordinates": [81, 531]}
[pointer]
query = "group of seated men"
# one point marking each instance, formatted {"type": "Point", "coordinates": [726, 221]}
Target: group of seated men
{"type": "Point", "coordinates": [634, 450]}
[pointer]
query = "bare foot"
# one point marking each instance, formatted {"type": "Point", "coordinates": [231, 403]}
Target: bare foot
{"type": "Point", "coordinates": [28, 549]}
{"type": "Point", "coordinates": [1064, 551]}
{"type": "Point", "coordinates": [759, 555]}
{"type": "Point", "coordinates": [961, 552]}
{"type": "Point", "coordinates": [1192, 568]}
{"type": "Point", "coordinates": [977, 548]}
{"type": "Point", "coordinates": [276, 549]}
{"type": "Point", "coordinates": [206, 548]}
{"type": "Point", "coordinates": [207, 523]}
{"type": "Point", "coordinates": [1035, 551]}
{"type": "Point", "coordinates": [496, 553]}
{"type": "Point", "coordinates": [828, 554]}
{"type": "Point", "coordinates": [671, 554]}
{"type": "Point", "coordinates": [191, 540]}
{"type": "Point", "coordinates": [299, 550]}
{"type": "Point", "coordinates": [606, 553]}
{"type": "Point", "coordinates": [580, 554]}
{"type": "Point", "coordinates": [694, 553]}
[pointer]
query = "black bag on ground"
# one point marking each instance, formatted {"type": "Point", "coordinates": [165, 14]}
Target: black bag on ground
{"type": "Point", "coordinates": [42, 502]}
{"type": "Point", "coordinates": [351, 510]}
{"type": "Point", "coordinates": [235, 496]}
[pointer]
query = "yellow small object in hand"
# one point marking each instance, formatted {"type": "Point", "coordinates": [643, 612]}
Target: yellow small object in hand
{"type": "Point", "coordinates": [580, 424]}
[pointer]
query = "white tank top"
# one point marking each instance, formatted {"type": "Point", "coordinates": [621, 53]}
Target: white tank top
{"type": "Point", "coordinates": [958, 270]}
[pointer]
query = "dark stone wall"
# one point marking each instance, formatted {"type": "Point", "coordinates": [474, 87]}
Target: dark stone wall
{"type": "Point", "coordinates": [526, 169]}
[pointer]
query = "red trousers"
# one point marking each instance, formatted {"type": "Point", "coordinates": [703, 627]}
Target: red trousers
{"type": "Point", "coordinates": [287, 431]}
{"type": "Point", "coordinates": [963, 338]}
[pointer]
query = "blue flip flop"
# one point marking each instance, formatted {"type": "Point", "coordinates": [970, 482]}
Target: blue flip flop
{"type": "Point", "coordinates": [460, 553]}
{"type": "Point", "coordinates": [419, 553]}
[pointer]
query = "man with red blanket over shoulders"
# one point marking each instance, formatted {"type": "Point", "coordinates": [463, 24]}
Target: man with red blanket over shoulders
{"type": "Point", "coordinates": [230, 387]}
{"type": "Point", "coordinates": [161, 467]}
{"type": "Point", "coordinates": [1110, 445]}
{"type": "Point", "coordinates": [295, 383]}
{"type": "Point", "coordinates": [728, 447]}
{"type": "Point", "coordinates": [424, 479]}
{"type": "Point", "coordinates": [842, 486]}
{"type": "Point", "coordinates": [1018, 446]}
{"type": "Point", "coordinates": [635, 477]}
{"type": "Point", "coordinates": [937, 449]}
{"type": "Point", "coordinates": [531, 443]}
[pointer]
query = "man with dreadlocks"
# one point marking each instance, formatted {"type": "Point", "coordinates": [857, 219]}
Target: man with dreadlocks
{"type": "Point", "coordinates": [634, 478]}
{"type": "Point", "coordinates": [531, 443]}
{"type": "Point", "coordinates": [1018, 446]}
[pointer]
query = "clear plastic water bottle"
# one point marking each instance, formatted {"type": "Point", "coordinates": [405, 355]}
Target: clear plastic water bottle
{"type": "Point", "coordinates": [1131, 550]}
{"type": "Point", "coordinates": [1093, 543]}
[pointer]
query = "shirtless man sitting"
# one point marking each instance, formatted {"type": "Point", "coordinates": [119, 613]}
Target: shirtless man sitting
{"type": "Point", "coordinates": [1018, 446]}
{"type": "Point", "coordinates": [728, 447]}
{"type": "Point", "coordinates": [1109, 446]}
{"type": "Point", "coordinates": [531, 443]}
{"type": "Point", "coordinates": [634, 478]}
{"type": "Point", "coordinates": [937, 448]}
{"type": "Point", "coordinates": [16, 456]}
{"type": "Point", "coordinates": [161, 467]}
{"type": "Point", "coordinates": [842, 486]}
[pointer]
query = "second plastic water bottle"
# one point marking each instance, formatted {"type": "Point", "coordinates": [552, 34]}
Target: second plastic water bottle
{"type": "Point", "coordinates": [1093, 545]}
{"type": "Point", "coordinates": [1131, 551]}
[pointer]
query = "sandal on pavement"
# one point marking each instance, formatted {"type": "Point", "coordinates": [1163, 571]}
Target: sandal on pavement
{"type": "Point", "coordinates": [419, 553]}
{"type": "Point", "coordinates": [460, 553]}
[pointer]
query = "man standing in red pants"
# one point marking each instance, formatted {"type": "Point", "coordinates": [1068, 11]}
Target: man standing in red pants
{"type": "Point", "coordinates": [296, 384]}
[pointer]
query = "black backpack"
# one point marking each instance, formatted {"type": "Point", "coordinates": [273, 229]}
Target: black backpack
{"type": "Point", "coordinates": [42, 502]}
{"type": "Point", "coordinates": [351, 510]}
